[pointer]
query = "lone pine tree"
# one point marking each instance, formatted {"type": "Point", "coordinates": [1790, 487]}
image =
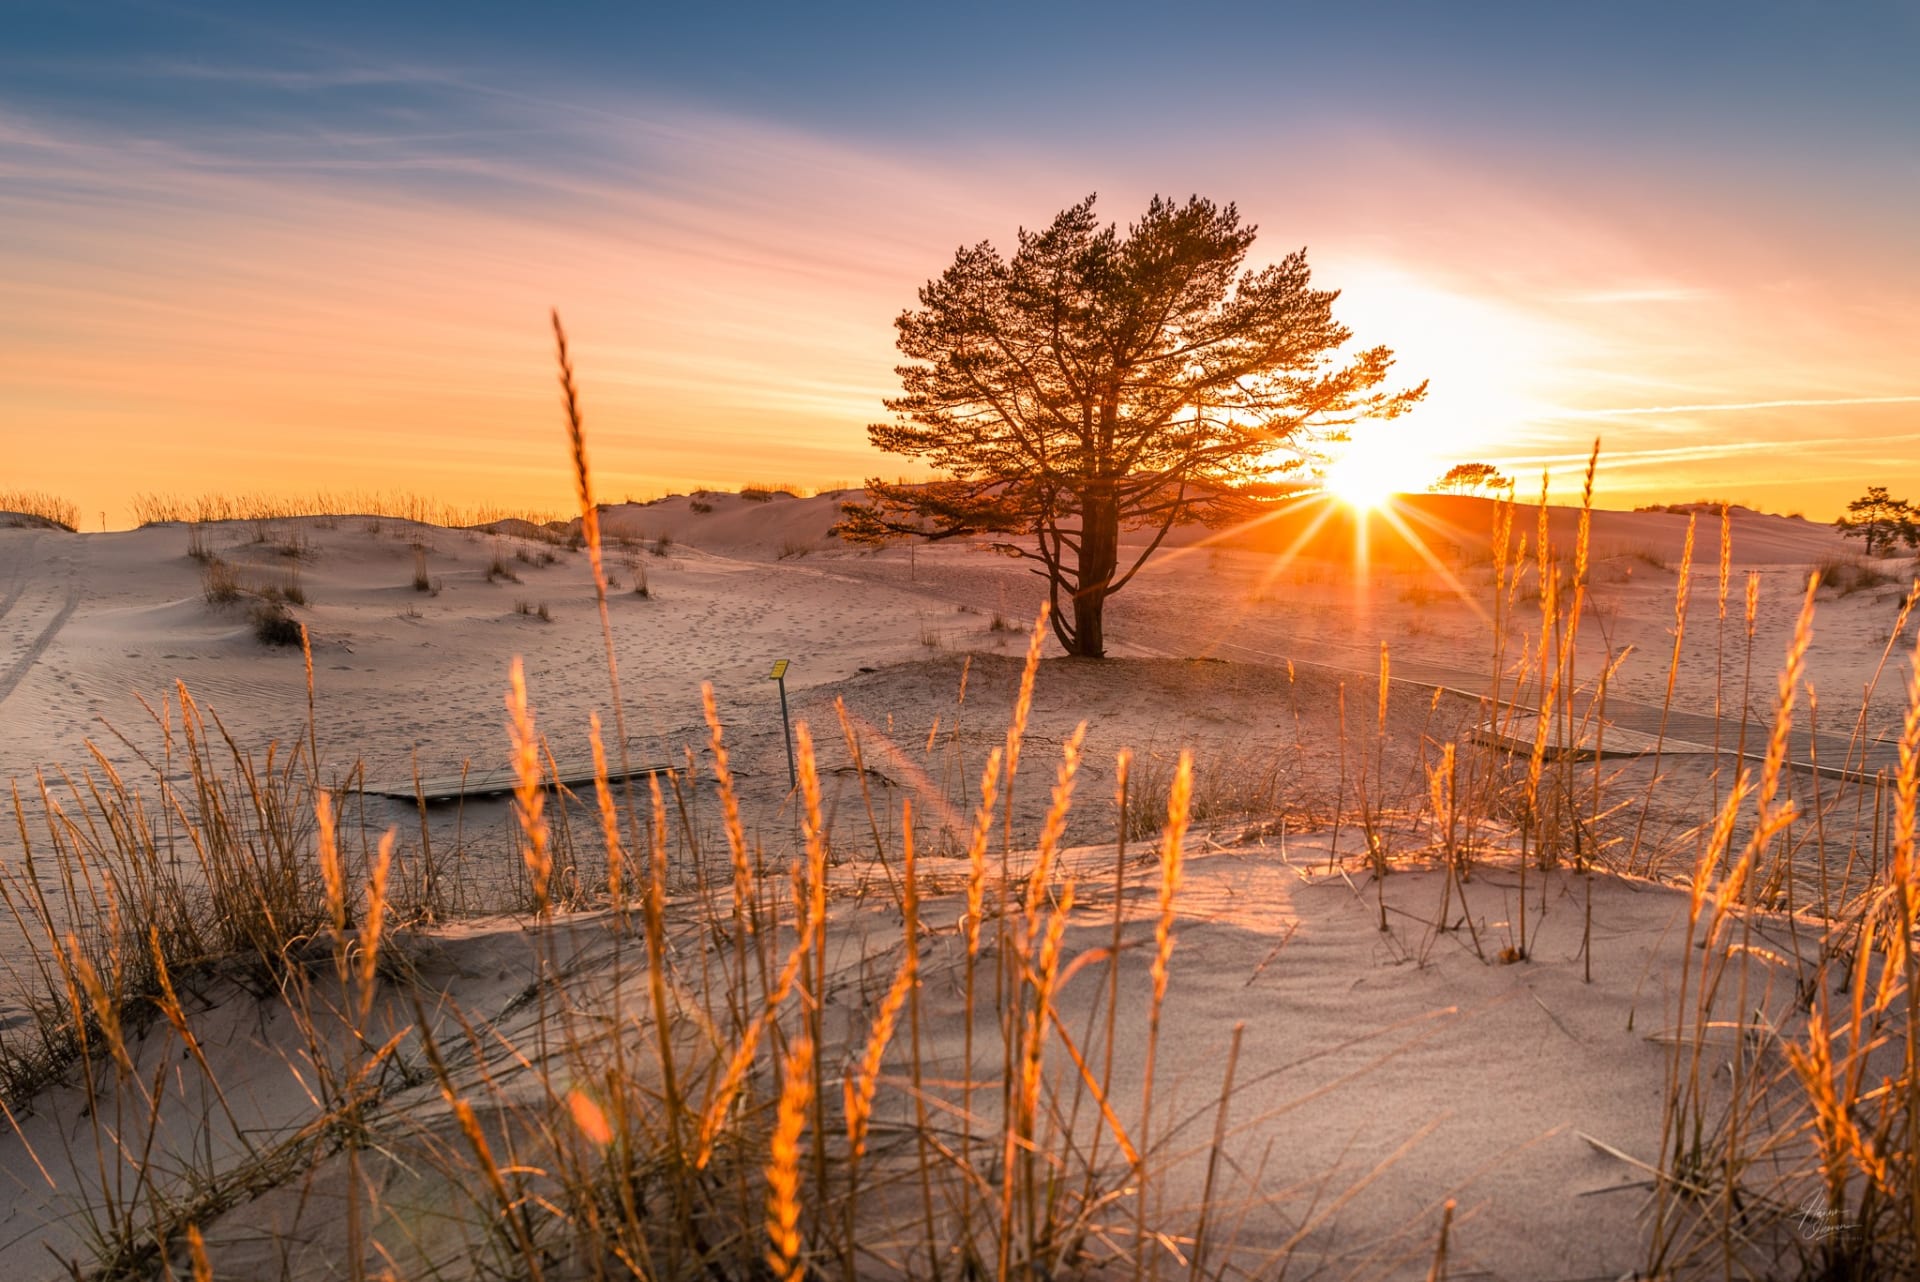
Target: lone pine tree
{"type": "Point", "coordinates": [1097, 382]}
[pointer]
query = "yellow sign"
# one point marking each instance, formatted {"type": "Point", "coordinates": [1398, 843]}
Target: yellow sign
{"type": "Point", "coordinates": [779, 669]}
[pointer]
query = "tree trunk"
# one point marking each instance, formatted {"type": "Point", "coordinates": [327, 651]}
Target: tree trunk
{"type": "Point", "coordinates": [1099, 557]}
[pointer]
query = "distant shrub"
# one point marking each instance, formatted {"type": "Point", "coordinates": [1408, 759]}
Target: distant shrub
{"type": "Point", "coordinates": [218, 583]}
{"type": "Point", "coordinates": [274, 624]}
{"type": "Point", "coordinates": [1700, 507]}
{"type": "Point", "coordinates": [1848, 575]}
{"type": "Point", "coordinates": [1648, 556]}
{"type": "Point", "coordinates": [662, 545]}
{"type": "Point", "coordinates": [288, 590]}
{"type": "Point", "coordinates": [701, 506]}
{"type": "Point", "coordinates": [499, 569]}
{"type": "Point", "coordinates": [791, 547]}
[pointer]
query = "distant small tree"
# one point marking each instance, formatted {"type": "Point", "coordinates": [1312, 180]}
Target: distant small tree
{"type": "Point", "coordinates": [1470, 478]}
{"type": "Point", "coordinates": [1881, 520]}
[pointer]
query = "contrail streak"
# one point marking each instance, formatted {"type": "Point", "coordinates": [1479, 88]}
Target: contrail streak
{"type": "Point", "coordinates": [1721, 407]}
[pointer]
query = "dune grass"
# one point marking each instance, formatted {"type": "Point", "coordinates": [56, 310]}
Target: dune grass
{"type": "Point", "coordinates": [158, 509]}
{"type": "Point", "coordinates": [41, 506]}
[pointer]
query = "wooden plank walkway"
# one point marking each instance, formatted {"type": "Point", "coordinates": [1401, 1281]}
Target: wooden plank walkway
{"type": "Point", "coordinates": [498, 781]}
{"type": "Point", "coordinates": [1517, 735]}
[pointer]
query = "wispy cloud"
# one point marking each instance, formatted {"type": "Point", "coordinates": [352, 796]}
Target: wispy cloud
{"type": "Point", "coordinates": [1640, 294]}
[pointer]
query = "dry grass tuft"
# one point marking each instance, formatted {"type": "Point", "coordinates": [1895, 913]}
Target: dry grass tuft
{"type": "Point", "coordinates": [34, 507]}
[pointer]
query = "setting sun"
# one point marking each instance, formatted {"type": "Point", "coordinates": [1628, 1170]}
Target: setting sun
{"type": "Point", "coordinates": [1370, 469]}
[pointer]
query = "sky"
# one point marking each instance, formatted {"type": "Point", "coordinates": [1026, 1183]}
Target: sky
{"type": "Point", "coordinates": [250, 248]}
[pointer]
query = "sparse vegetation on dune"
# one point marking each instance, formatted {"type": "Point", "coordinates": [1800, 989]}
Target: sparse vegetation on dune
{"type": "Point", "coordinates": [157, 509]}
{"type": "Point", "coordinates": [708, 1049]}
{"type": "Point", "coordinates": [40, 508]}
{"type": "Point", "coordinates": [218, 582]}
{"type": "Point", "coordinates": [498, 569]}
{"type": "Point", "coordinates": [1850, 574]}
{"type": "Point", "coordinates": [274, 624]}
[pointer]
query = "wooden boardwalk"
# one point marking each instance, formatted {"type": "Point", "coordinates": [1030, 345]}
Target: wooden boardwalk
{"type": "Point", "coordinates": [1518, 734]}
{"type": "Point", "coordinates": [498, 781]}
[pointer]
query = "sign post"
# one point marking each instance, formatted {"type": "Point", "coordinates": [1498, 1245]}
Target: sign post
{"type": "Point", "coordinates": [786, 725]}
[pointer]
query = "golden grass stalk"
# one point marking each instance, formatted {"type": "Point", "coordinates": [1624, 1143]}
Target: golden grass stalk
{"type": "Point", "coordinates": [729, 810]}
{"type": "Point", "coordinates": [1054, 826]}
{"type": "Point", "coordinates": [609, 818]}
{"type": "Point", "coordinates": [977, 853]}
{"type": "Point", "coordinates": [1768, 821]}
{"type": "Point", "coordinates": [105, 1010]}
{"type": "Point", "coordinates": [590, 535]}
{"type": "Point", "coordinates": [858, 1089]}
{"type": "Point", "coordinates": [372, 933]}
{"type": "Point", "coordinates": [654, 923]}
{"type": "Point", "coordinates": [496, 1183]}
{"type": "Point", "coordinates": [333, 877]}
{"type": "Point", "coordinates": [1023, 1122]}
{"type": "Point", "coordinates": [970, 930]}
{"type": "Point", "coordinates": [529, 795]}
{"type": "Point", "coordinates": [1680, 591]}
{"type": "Point", "coordinates": [1017, 728]}
{"type": "Point", "coordinates": [1724, 584]}
{"type": "Point", "coordinates": [197, 1255]}
{"type": "Point", "coordinates": [714, 1115]}
{"type": "Point", "coordinates": [783, 1164]}
{"type": "Point", "coordinates": [910, 935]}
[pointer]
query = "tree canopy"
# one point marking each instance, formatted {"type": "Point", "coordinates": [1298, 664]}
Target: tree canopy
{"type": "Point", "coordinates": [1099, 381]}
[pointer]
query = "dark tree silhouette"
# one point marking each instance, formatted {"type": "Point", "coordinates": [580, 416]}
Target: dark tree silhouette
{"type": "Point", "coordinates": [1881, 520]}
{"type": "Point", "coordinates": [1097, 381]}
{"type": "Point", "coordinates": [1470, 478]}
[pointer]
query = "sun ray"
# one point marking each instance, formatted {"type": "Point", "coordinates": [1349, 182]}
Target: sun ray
{"type": "Point", "coordinates": [1393, 516]}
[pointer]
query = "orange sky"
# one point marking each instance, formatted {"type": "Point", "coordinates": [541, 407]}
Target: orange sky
{"type": "Point", "coordinates": [183, 324]}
